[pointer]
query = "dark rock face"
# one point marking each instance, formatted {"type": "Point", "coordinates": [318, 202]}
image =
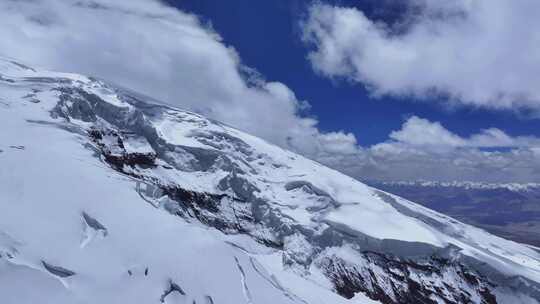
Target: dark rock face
{"type": "Point", "coordinates": [121, 157]}
{"type": "Point", "coordinates": [393, 281]}
{"type": "Point", "coordinates": [223, 212]}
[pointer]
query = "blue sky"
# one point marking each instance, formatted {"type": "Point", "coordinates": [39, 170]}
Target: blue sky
{"type": "Point", "coordinates": [335, 55]}
{"type": "Point", "coordinates": [268, 38]}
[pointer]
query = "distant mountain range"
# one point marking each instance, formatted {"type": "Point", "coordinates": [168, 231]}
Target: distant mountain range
{"type": "Point", "coordinates": [510, 210]}
{"type": "Point", "coordinates": [516, 187]}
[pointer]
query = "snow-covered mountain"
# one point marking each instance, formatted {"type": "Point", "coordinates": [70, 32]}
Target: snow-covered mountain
{"type": "Point", "coordinates": [511, 211]}
{"type": "Point", "coordinates": [468, 185]}
{"type": "Point", "coordinates": [106, 197]}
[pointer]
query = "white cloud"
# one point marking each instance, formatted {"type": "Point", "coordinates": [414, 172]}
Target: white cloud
{"type": "Point", "coordinates": [160, 51]}
{"type": "Point", "coordinates": [168, 54]}
{"type": "Point", "coordinates": [421, 132]}
{"type": "Point", "coordinates": [422, 149]}
{"type": "Point", "coordinates": [481, 52]}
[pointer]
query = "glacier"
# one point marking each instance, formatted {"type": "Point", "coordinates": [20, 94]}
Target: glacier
{"type": "Point", "coordinates": [108, 196]}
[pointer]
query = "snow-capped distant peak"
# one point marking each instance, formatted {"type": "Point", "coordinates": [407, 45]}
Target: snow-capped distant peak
{"type": "Point", "coordinates": [516, 187]}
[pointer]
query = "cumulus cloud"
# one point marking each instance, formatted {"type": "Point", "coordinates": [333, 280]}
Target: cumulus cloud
{"type": "Point", "coordinates": [423, 149]}
{"type": "Point", "coordinates": [480, 53]}
{"type": "Point", "coordinates": [160, 51]}
{"type": "Point", "coordinates": [423, 133]}
{"type": "Point", "coordinates": [170, 55]}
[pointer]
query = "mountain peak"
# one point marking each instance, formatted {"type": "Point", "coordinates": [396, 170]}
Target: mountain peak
{"type": "Point", "coordinates": [128, 200]}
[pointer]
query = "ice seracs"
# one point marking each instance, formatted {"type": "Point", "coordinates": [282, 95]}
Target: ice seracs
{"type": "Point", "coordinates": [188, 209]}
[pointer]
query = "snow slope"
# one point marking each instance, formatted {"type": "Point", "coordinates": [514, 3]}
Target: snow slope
{"type": "Point", "coordinates": [107, 198]}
